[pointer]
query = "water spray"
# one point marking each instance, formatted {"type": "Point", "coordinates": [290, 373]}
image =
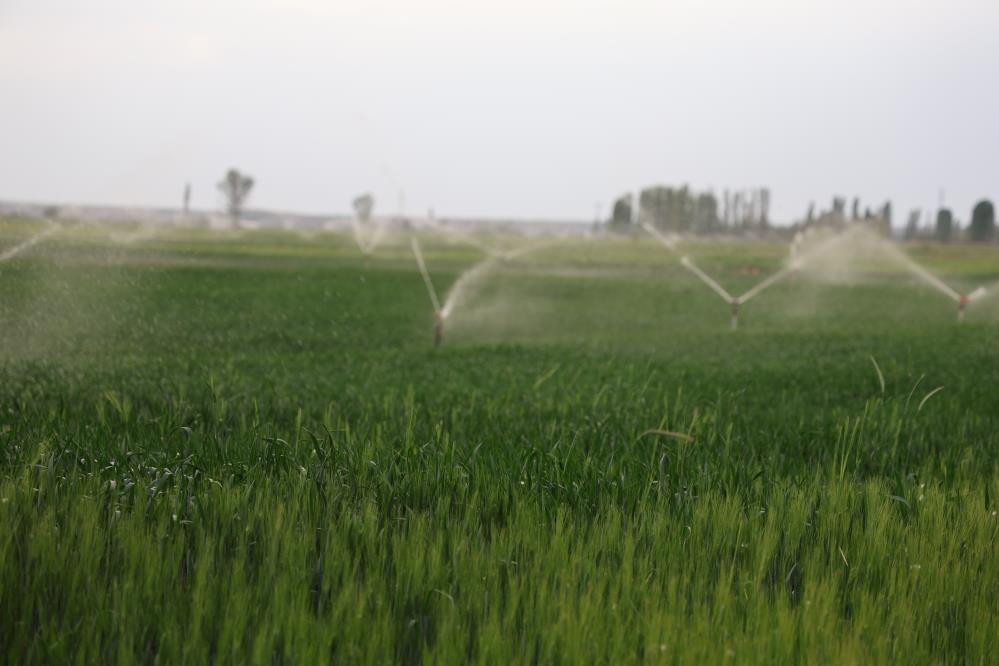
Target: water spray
{"type": "Point", "coordinates": [966, 299]}
{"type": "Point", "coordinates": [962, 300]}
{"type": "Point", "coordinates": [736, 302]}
{"type": "Point", "coordinates": [367, 242]}
{"type": "Point", "coordinates": [10, 253]}
{"type": "Point", "coordinates": [688, 263]}
{"type": "Point", "coordinates": [367, 239]}
{"type": "Point", "coordinates": [461, 285]}
{"type": "Point", "coordinates": [141, 233]}
{"type": "Point", "coordinates": [528, 249]}
{"type": "Point", "coordinates": [733, 302]}
{"type": "Point", "coordinates": [439, 314]}
{"type": "Point", "coordinates": [456, 294]}
{"type": "Point", "coordinates": [670, 244]}
{"type": "Point", "coordinates": [798, 259]}
{"type": "Point", "coordinates": [667, 241]}
{"type": "Point", "coordinates": [465, 236]}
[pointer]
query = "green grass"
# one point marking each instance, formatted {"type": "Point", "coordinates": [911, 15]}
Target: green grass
{"type": "Point", "coordinates": [243, 448]}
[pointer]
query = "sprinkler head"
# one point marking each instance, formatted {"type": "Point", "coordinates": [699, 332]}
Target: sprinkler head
{"type": "Point", "coordinates": [735, 313]}
{"type": "Point", "coordinates": [438, 328]}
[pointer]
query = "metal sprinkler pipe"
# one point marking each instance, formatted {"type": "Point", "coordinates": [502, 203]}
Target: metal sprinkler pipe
{"type": "Point", "coordinates": [735, 313]}
{"type": "Point", "coordinates": [962, 304]}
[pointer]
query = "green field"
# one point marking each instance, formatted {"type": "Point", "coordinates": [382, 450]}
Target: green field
{"type": "Point", "coordinates": [243, 448]}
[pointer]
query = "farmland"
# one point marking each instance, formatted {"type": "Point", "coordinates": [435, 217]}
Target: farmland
{"type": "Point", "coordinates": [244, 447]}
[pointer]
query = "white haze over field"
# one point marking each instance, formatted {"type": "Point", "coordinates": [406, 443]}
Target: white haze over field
{"type": "Point", "coordinates": [516, 108]}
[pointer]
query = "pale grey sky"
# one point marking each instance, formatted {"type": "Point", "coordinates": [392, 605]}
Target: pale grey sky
{"type": "Point", "coordinates": [506, 108]}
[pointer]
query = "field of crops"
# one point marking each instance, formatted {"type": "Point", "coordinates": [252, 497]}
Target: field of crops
{"type": "Point", "coordinates": [244, 447]}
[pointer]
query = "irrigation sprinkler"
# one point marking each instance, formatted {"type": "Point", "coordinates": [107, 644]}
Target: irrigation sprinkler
{"type": "Point", "coordinates": [770, 281]}
{"type": "Point", "coordinates": [928, 277]}
{"type": "Point", "coordinates": [439, 314]}
{"type": "Point", "coordinates": [798, 259]}
{"type": "Point", "coordinates": [962, 300]}
{"type": "Point", "coordinates": [967, 299]}
{"type": "Point", "coordinates": [438, 328]}
{"type": "Point", "coordinates": [461, 286]}
{"type": "Point", "coordinates": [687, 263]}
{"type": "Point", "coordinates": [733, 302]}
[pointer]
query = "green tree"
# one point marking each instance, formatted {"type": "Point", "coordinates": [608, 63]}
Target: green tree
{"type": "Point", "coordinates": [764, 207]}
{"type": "Point", "coordinates": [621, 213]}
{"type": "Point", "coordinates": [839, 207]}
{"type": "Point", "coordinates": [235, 188]}
{"type": "Point", "coordinates": [679, 209]}
{"type": "Point", "coordinates": [652, 206]}
{"type": "Point", "coordinates": [706, 213]}
{"type": "Point", "coordinates": [983, 222]}
{"type": "Point", "coordinates": [363, 207]}
{"type": "Point", "coordinates": [912, 225]}
{"type": "Point", "coordinates": [945, 225]}
{"type": "Point", "coordinates": [886, 219]}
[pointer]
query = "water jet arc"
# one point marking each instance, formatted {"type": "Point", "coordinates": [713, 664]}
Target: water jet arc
{"type": "Point", "coordinates": [431, 291]}
{"type": "Point", "coordinates": [10, 253]}
{"type": "Point", "coordinates": [736, 302]}
{"type": "Point", "coordinates": [465, 236]}
{"type": "Point", "coordinates": [962, 300]}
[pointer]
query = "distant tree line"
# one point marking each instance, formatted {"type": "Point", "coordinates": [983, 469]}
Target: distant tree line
{"type": "Point", "coordinates": [682, 210]}
{"type": "Point", "coordinates": [836, 215]}
{"type": "Point", "coordinates": [946, 228]}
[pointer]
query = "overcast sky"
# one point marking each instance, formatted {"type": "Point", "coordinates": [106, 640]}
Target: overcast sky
{"type": "Point", "coordinates": [521, 108]}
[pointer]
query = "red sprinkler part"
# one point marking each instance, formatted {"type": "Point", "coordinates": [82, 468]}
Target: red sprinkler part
{"type": "Point", "coordinates": [962, 302]}
{"type": "Point", "coordinates": [438, 329]}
